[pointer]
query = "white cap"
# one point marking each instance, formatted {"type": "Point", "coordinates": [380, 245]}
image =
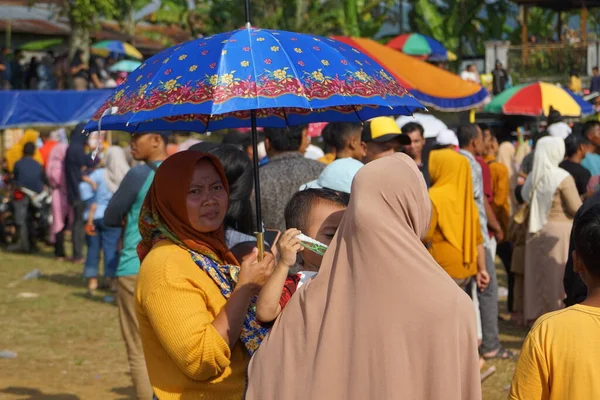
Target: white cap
{"type": "Point", "coordinates": [447, 137]}
{"type": "Point", "coordinates": [336, 176]}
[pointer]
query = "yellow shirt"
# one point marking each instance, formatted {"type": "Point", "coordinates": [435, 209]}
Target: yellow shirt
{"type": "Point", "coordinates": [575, 84]}
{"type": "Point", "coordinates": [561, 357]}
{"type": "Point", "coordinates": [186, 357]}
{"type": "Point", "coordinates": [327, 158]}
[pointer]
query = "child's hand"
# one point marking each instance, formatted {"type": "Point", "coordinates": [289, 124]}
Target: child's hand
{"type": "Point", "coordinates": [90, 229]}
{"type": "Point", "coordinates": [288, 246]}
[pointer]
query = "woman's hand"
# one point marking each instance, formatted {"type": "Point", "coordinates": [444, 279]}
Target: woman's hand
{"type": "Point", "coordinates": [289, 246]}
{"type": "Point", "coordinates": [254, 274]}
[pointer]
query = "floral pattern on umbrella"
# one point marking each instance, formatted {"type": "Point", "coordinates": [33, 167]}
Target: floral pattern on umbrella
{"type": "Point", "coordinates": [255, 69]}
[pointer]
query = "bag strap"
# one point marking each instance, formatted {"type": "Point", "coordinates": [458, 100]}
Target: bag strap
{"type": "Point", "coordinates": [152, 166]}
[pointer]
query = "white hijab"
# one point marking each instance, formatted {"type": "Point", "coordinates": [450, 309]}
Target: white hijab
{"type": "Point", "coordinates": [116, 167]}
{"type": "Point", "coordinates": [544, 179]}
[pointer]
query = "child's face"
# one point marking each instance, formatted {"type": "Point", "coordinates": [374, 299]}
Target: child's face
{"type": "Point", "coordinates": [324, 220]}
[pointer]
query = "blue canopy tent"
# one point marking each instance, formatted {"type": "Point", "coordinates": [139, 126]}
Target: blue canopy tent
{"type": "Point", "coordinates": [24, 108]}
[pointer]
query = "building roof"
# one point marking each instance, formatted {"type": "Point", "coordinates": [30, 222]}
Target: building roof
{"type": "Point", "coordinates": [43, 19]}
{"type": "Point", "coordinates": [559, 5]}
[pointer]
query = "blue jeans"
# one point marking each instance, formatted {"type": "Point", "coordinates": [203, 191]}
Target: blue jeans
{"type": "Point", "coordinates": [106, 239]}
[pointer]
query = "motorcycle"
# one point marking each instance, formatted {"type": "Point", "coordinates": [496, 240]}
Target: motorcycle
{"type": "Point", "coordinates": [39, 218]}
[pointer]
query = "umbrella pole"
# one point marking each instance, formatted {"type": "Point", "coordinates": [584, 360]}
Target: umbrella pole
{"type": "Point", "coordinates": [260, 230]}
{"type": "Point", "coordinates": [247, 3]}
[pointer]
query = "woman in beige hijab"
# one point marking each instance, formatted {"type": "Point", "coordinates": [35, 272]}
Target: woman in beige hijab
{"type": "Point", "coordinates": [506, 156]}
{"type": "Point", "coordinates": [382, 320]}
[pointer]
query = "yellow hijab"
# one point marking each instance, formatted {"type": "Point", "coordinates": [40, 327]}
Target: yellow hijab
{"type": "Point", "coordinates": [452, 196]}
{"type": "Point", "coordinates": [15, 153]}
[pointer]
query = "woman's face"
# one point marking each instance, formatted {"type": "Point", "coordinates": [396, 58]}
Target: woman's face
{"type": "Point", "coordinates": [206, 198]}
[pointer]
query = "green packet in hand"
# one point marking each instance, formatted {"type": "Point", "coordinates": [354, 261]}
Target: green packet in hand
{"type": "Point", "coordinates": [312, 244]}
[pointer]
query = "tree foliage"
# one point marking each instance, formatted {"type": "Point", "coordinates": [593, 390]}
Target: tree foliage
{"type": "Point", "coordinates": [85, 13]}
{"type": "Point", "coordinates": [321, 17]}
{"type": "Point", "coordinates": [463, 26]}
{"type": "Point", "coordinates": [84, 16]}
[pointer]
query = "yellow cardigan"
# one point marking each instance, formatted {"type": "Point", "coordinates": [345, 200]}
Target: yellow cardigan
{"type": "Point", "coordinates": [186, 357]}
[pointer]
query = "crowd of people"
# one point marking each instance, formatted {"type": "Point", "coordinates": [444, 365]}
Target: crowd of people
{"type": "Point", "coordinates": [54, 72]}
{"type": "Point", "coordinates": [407, 221]}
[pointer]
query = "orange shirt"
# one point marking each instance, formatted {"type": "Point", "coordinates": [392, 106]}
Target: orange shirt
{"type": "Point", "coordinates": [46, 149]}
{"type": "Point", "coordinates": [500, 189]}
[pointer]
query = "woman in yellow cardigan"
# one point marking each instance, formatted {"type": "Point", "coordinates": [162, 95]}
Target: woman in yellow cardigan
{"type": "Point", "coordinates": [194, 303]}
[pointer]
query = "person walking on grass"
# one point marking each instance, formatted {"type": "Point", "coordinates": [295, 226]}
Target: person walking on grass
{"type": "Point", "coordinates": [76, 161]}
{"type": "Point", "coordinates": [470, 138]}
{"type": "Point", "coordinates": [97, 191]}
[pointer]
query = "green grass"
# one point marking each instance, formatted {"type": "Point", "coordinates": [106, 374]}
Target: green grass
{"type": "Point", "coordinates": [70, 347]}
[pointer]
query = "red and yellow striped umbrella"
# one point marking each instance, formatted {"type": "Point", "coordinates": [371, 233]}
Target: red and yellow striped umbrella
{"type": "Point", "coordinates": [535, 99]}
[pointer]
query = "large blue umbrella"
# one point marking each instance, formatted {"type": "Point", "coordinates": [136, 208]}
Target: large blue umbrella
{"type": "Point", "coordinates": [213, 83]}
{"type": "Point", "coordinates": [253, 77]}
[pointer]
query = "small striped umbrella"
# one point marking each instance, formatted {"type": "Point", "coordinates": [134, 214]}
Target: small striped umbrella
{"type": "Point", "coordinates": [107, 47]}
{"type": "Point", "coordinates": [535, 99]}
{"type": "Point", "coordinates": [415, 44]}
{"type": "Point", "coordinates": [125, 66]}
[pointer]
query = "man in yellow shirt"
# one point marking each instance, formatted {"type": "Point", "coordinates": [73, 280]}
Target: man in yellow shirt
{"type": "Point", "coordinates": [561, 355]}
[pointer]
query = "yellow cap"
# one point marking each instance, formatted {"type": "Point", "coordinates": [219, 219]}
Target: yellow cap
{"type": "Point", "coordinates": [383, 129]}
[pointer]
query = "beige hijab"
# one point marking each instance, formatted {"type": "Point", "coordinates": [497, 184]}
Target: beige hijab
{"type": "Point", "coordinates": [381, 320]}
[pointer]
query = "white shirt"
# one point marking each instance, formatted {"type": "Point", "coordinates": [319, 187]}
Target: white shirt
{"type": "Point", "coordinates": [469, 76]}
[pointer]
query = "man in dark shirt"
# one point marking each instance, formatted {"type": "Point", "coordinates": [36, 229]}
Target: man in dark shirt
{"type": "Point", "coordinates": [95, 72]}
{"type": "Point", "coordinates": [576, 148]}
{"type": "Point", "coordinates": [17, 79]}
{"type": "Point", "coordinates": [499, 78]}
{"type": "Point", "coordinates": [75, 162]}
{"type": "Point", "coordinates": [79, 72]}
{"type": "Point", "coordinates": [595, 83]}
{"type": "Point", "coordinates": [28, 174]}
{"type": "Point", "coordinates": [575, 289]}
{"type": "Point", "coordinates": [286, 171]}
{"type": "Point", "coordinates": [3, 67]}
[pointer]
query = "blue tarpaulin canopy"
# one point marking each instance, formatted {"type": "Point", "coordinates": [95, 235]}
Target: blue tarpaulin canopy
{"type": "Point", "coordinates": [24, 108]}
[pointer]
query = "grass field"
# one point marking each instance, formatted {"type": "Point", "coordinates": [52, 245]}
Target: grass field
{"type": "Point", "coordinates": [69, 345]}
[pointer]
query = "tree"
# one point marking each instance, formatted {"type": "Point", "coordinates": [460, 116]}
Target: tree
{"type": "Point", "coordinates": [320, 17]}
{"type": "Point", "coordinates": [126, 14]}
{"type": "Point", "coordinates": [462, 25]}
{"type": "Point", "coordinates": [351, 14]}
{"type": "Point", "coordinates": [83, 17]}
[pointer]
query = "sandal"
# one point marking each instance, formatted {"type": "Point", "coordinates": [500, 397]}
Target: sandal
{"type": "Point", "coordinates": [489, 372]}
{"type": "Point", "coordinates": [501, 354]}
